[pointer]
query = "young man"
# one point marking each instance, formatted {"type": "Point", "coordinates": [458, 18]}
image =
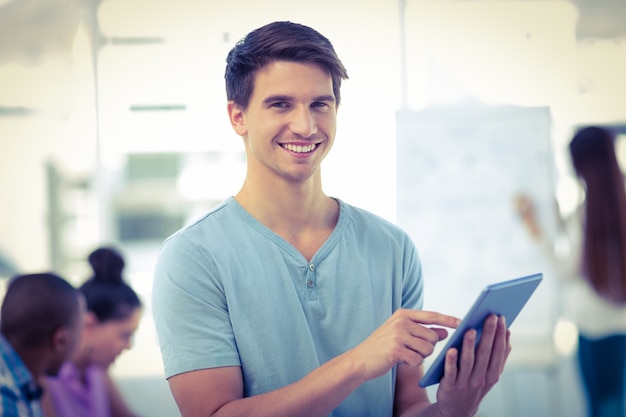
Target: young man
{"type": "Point", "coordinates": [283, 301]}
{"type": "Point", "coordinates": [41, 323]}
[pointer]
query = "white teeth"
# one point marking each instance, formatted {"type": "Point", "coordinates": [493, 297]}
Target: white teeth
{"type": "Point", "coordinates": [299, 148]}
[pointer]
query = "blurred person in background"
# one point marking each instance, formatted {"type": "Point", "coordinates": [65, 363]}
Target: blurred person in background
{"type": "Point", "coordinates": [594, 269]}
{"type": "Point", "coordinates": [84, 387]}
{"type": "Point", "coordinates": [40, 324]}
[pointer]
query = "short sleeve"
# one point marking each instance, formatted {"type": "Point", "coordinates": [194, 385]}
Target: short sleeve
{"type": "Point", "coordinates": [190, 310]}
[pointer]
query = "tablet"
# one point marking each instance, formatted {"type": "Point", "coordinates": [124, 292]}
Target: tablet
{"type": "Point", "coordinates": [504, 299]}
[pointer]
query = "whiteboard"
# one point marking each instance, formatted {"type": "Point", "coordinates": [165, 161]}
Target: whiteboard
{"type": "Point", "coordinates": [459, 169]}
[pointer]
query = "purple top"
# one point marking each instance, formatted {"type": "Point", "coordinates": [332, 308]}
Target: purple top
{"type": "Point", "coordinates": [73, 398]}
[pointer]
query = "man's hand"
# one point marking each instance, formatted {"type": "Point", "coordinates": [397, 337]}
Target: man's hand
{"type": "Point", "coordinates": [464, 386]}
{"type": "Point", "coordinates": [403, 338]}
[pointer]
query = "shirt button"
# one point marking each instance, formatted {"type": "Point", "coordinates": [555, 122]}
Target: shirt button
{"type": "Point", "coordinates": [311, 267]}
{"type": "Point", "coordinates": [309, 283]}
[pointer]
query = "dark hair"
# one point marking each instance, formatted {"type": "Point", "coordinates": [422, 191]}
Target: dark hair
{"type": "Point", "coordinates": [106, 293]}
{"type": "Point", "coordinates": [604, 247]}
{"type": "Point", "coordinates": [278, 41]}
{"type": "Point", "coordinates": [36, 305]}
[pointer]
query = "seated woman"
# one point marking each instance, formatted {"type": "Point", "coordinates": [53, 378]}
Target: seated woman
{"type": "Point", "coordinates": [83, 387]}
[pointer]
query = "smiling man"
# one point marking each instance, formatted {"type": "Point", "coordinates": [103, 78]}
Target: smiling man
{"type": "Point", "coordinates": [283, 301]}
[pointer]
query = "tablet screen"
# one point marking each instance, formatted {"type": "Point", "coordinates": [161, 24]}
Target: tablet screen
{"type": "Point", "coordinates": [505, 298]}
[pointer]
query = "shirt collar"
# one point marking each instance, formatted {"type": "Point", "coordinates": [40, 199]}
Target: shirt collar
{"type": "Point", "coordinates": [31, 392]}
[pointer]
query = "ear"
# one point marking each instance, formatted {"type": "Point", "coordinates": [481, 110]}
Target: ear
{"type": "Point", "coordinates": [90, 321]}
{"type": "Point", "coordinates": [62, 339]}
{"type": "Point", "coordinates": [237, 119]}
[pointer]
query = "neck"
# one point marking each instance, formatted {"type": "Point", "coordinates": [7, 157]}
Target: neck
{"type": "Point", "coordinates": [80, 357]}
{"type": "Point", "coordinates": [291, 204]}
{"type": "Point", "coordinates": [299, 212]}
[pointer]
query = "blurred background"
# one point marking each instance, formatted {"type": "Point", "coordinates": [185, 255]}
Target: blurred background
{"type": "Point", "coordinates": [113, 130]}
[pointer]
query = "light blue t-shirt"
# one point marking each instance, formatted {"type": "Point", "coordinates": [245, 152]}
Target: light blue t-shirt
{"type": "Point", "coordinates": [228, 291]}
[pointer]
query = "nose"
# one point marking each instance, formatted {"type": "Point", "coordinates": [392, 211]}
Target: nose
{"type": "Point", "coordinates": [126, 344]}
{"type": "Point", "coordinates": [303, 122]}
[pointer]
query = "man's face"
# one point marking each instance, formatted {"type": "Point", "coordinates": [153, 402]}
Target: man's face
{"type": "Point", "coordinates": [290, 123]}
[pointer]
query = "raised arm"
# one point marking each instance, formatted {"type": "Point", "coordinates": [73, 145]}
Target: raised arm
{"type": "Point", "coordinates": [568, 234]}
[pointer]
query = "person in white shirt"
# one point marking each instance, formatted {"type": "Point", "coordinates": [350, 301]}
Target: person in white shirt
{"type": "Point", "coordinates": [594, 269]}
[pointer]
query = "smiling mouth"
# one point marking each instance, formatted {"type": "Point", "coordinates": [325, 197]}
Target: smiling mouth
{"type": "Point", "coordinates": [299, 148]}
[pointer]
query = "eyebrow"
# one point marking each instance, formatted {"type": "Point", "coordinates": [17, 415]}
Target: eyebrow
{"type": "Point", "coordinates": [330, 98]}
{"type": "Point", "coordinates": [275, 98]}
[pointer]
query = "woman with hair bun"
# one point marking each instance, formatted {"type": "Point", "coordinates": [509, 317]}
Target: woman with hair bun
{"type": "Point", "coordinates": [84, 387]}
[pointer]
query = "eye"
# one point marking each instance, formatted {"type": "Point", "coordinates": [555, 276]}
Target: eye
{"type": "Point", "coordinates": [319, 105]}
{"type": "Point", "coordinates": [280, 104]}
